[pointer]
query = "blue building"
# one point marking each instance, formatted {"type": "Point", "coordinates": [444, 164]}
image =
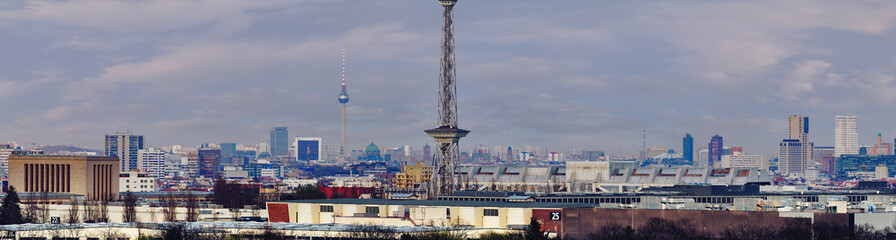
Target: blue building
{"type": "Point", "coordinates": [279, 142]}
{"type": "Point", "coordinates": [848, 163]}
{"type": "Point", "coordinates": [715, 152]}
{"type": "Point", "coordinates": [308, 149]}
{"type": "Point", "coordinates": [687, 148]}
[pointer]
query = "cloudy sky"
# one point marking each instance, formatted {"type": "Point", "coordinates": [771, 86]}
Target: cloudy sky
{"type": "Point", "coordinates": [555, 74]}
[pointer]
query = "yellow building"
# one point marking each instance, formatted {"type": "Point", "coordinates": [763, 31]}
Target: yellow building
{"type": "Point", "coordinates": [413, 176]}
{"type": "Point", "coordinates": [383, 212]}
{"type": "Point", "coordinates": [95, 178]}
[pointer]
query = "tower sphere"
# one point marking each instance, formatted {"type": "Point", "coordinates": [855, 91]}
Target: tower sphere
{"type": "Point", "coordinates": [447, 3]}
{"type": "Point", "coordinates": [343, 98]}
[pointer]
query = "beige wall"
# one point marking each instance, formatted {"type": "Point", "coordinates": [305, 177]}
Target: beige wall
{"type": "Point", "coordinates": [89, 176]}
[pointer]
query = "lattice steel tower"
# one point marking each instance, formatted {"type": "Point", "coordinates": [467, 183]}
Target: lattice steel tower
{"type": "Point", "coordinates": [447, 133]}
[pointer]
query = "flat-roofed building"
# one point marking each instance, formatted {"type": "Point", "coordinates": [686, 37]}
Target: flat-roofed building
{"type": "Point", "coordinates": [93, 177]}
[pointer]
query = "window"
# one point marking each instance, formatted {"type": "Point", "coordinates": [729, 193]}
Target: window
{"type": "Point", "coordinates": [372, 210]}
{"type": "Point", "coordinates": [326, 208]}
{"type": "Point", "coordinates": [490, 212]}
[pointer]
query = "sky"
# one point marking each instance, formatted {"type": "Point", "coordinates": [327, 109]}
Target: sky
{"type": "Point", "coordinates": [560, 75]}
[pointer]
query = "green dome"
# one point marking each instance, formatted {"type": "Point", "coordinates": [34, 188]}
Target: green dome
{"type": "Point", "coordinates": [372, 148]}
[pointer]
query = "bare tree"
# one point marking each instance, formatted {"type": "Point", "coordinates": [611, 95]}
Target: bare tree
{"type": "Point", "coordinates": [170, 208]}
{"type": "Point", "coordinates": [192, 206]}
{"type": "Point", "coordinates": [103, 213]}
{"type": "Point", "coordinates": [90, 212]}
{"type": "Point", "coordinates": [130, 208]}
{"type": "Point", "coordinates": [44, 207]}
{"type": "Point", "coordinates": [152, 214]}
{"type": "Point", "coordinates": [370, 232]}
{"type": "Point", "coordinates": [73, 212]}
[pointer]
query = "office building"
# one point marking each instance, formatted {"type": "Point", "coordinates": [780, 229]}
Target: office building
{"type": "Point", "coordinates": [715, 151]}
{"type": "Point", "coordinates": [736, 150]}
{"type": "Point", "coordinates": [279, 142]}
{"type": "Point", "coordinates": [824, 159]}
{"type": "Point", "coordinates": [413, 176]}
{"type": "Point", "coordinates": [795, 152]}
{"type": "Point", "coordinates": [95, 178]}
{"type": "Point", "coordinates": [846, 135]}
{"type": "Point", "coordinates": [427, 152]}
{"type": "Point", "coordinates": [702, 157]}
{"type": "Point", "coordinates": [510, 153]}
{"type": "Point", "coordinates": [136, 181]}
{"type": "Point", "coordinates": [5, 151]}
{"type": "Point", "coordinates": [308, 149]}
{"type": "Point", "coordinates": [125, 147]}
{"type": "Point", "coordinates": [228, 149]}
{"type": "Point", "coordinates": [745, 161]}
{"type": "Point", "coordinates": [687, 148]}
{"type": "Point", "coordinates": [798, 128]}
{"type": "Point", "coordinates": [152, 162]}
{"type": "Point", "coordinates": [881, 172]}
{"type": "Point", "coordinates": [592, 155]}
{"type": "Point", "coordinates": [882, 148]}
{"type": "Point", "coordinates": [848, 165]}
{"type": "Point", "coordinates": [209, 163]}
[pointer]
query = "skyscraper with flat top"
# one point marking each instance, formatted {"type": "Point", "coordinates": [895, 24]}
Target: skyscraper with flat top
{"type": "Point", "coordinates": [715, 152]}
{"type": "Point", "coordinates": [795, 152]}
{"type": "Point", "coordinates": [279, 142]}
{"type": "Point", "coordinates": [846, 135]}
{"type": "Point", "coordinates": [798, 128]}
{"type": "Point", "coordinates": [125, 147]}
{"type": "Point", "coordinates": [687, 148]}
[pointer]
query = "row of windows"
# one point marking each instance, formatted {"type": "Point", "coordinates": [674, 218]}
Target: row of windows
{"type": "Point", "coordinates": [490, 212]}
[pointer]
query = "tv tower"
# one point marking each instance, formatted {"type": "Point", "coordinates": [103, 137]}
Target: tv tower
{"type": "Point", "coordinates": [447, 133]}
{"type": "Point", "coordinates": [343, 98]}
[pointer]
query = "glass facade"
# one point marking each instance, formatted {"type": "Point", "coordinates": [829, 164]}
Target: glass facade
{"type": "Point", "coordinates": [850, 163]}
{"type": "Point", "coordinates": [279, 142]}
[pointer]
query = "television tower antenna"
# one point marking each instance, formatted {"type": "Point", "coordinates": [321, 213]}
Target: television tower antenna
{"type": "Point", "coordinates": [447, 133]}
{"type": "Point", "coordinates": [343, 99]}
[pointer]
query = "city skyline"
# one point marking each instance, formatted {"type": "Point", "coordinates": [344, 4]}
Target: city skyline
{"type": "Point", "coordinates": [563, 75]}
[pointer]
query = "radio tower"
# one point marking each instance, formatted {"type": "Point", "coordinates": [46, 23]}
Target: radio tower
{"type": "Point", "coordinates": [447, 133]}
{"type": "Point", "coordinates": [343, 98]}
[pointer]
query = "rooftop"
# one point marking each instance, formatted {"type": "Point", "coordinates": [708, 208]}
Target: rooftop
{"type": "Point", "coordinates": [443, 203]}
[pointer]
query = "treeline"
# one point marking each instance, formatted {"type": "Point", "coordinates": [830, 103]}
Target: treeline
{"type": "Point", "coordinates": [793, 229]}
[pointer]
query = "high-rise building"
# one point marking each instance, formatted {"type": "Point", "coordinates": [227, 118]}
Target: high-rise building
{"type": "Point", "coordinates": [715, 151]}
{"type": "Point", "coordinates": [510, 153]}
{"type": "Point", "coordinates": [308, 149]}
{"type": "Point", "coordinates": [824, 158]}
{"type": "Point", "coordinates": [846, 135]}
{"type": "Point", "coordinates": [427, 152]}
{"type": "Point", "coordinates": [125, 147]}
{"type": "Point", "coordinates": [795, 152]}
{"type": "Point", "coordinates": [702, 157]}
{"type": "Point", "coordinates": [152, 161]}
{"type": "Point", "coordinates": [882, 148]}
{"type": "Point", "coordinates": [798, 128]}
{"type": "Point", "coordinates": [279, 142]}
{"type": "Point", "coordinates": [687, 148]}
{"type": "Point", "coordinates": [5, 151]}
{"type": "Point", "coordinates": [592, 155]}
{"type": "Point", "coordinates": [209, 163]}
{"type": "Point", "coordinates": [737, 150]}
{"type": "Point", "coordinates": [228, 149]}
